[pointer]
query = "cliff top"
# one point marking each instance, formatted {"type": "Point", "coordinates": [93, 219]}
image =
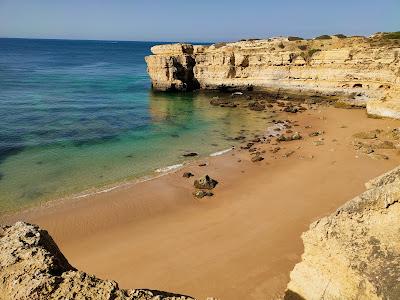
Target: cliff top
{"type": "Point", "coordinates": [323, 42]}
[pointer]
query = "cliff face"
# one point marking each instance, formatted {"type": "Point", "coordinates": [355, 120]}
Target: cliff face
{"type": "Point", "coordinates": [32, 267]}
{"type": "Point", "coordinates": [355, 252]}
{"type": "Point", "coordinates": [365, 70]}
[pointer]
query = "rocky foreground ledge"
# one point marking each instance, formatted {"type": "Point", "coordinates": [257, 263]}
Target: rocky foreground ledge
{"type": "Point", "coordinates": [32, 267]}
{"type": "Point", "coordinates": [355, 252]}
{"type": "Point", "coordinates": [364, 70]}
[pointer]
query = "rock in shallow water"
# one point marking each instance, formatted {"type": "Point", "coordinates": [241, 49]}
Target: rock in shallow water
{"type": "Point", "coordinates": [190, 154]}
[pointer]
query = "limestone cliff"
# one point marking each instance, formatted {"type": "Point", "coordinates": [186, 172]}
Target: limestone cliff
{"type": "Point", "coordinates": [32, 267]}
{"type": "Point", "coordinates": [365, 70]}
{"type": "Point", "coordinates": [355, 252]}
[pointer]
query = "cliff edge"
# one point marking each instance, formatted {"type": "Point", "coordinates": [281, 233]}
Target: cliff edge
{"type": "Point", "coordinates": [32, 267]}
{"type": "Point", "coordinates": [355, 252]}
{"type": "Point", "coordinates": [365, 70]}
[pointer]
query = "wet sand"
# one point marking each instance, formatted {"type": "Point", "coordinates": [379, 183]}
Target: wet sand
{"type": "Point", "coordinates": [239, 244]}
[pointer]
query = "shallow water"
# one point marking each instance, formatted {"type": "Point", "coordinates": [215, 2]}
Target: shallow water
{"type": "Point", "coordinates": [76, 115]}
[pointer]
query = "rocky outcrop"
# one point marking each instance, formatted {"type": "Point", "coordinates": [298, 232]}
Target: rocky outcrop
{"type": "Point", "coordinates": [366, 71]}
{"type": "Point", "coordinates": [32, 267]}
{"type": "Point", "coordinates": [171, 67]}
{"type": "Point", "coordinates": [355, 252]}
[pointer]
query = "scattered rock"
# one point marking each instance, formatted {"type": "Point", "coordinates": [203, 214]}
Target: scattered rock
{"type": "Point", "coordinates": [187, 175]}
{"type": "Point", "coordinates": [201, 194]}
{"type": "Point", "coordinates": [205, 182]}
{"type": "Point", "coordinates": [287, 154]}
{"type": "Point", "coordinates": [367, 134]}
{"type": "Point", "coordinates": [318, 143]}
{"type": "Point", "coordinates": [316, 133]}
{"type": "Point", "coordinates": [190, 154]}
{"type": "Point", "coordinates": [379, 156]}
{"type": "Point", "coordinates": [256, 106]}
{"type": "Point", "coordinates": [293, 109]}
{"type": "Point", "coordinates": [275, 150]}
{"type": "Point", "coordinates": [202, 164]}
{"type": "Point", "coordinates": [230, 104]}
{"type": "Point", "coordinates": [240, 137]}
{"type": "Point", "coordinates": [248, 146]}
{"type": "Point", "coordinates": [385, 145]}
{"type": "Point", "coordinates": [296, 136]}
{"type": "Point", "coordinates": [257, 158]}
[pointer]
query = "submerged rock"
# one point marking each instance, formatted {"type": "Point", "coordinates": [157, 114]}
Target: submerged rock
{"type": "Point", "coordinates": [190, 154]}
{"type": "Point", "coordinates": [205, 182]}
{"type": "Point", "coordinates": [257, 106]}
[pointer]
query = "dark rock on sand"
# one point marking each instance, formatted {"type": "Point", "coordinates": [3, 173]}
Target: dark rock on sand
{"type": "Point", "coordinates": [293, 137]}
{"type": "Point", "coordinates": [248, 146]}
{"type": "Point", "coordinates": [257, 158]}
{"type": "Point", "coordinates": [316, 133]}
{"type": "Point", "coordinates": [200, 194]}
{"type": "Point", "coordinates": [187, 175]}
{"type": "Point", "coordinates": [205, 182]}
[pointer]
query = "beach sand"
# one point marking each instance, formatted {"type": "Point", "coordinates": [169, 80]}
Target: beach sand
{"type": "Point", "coordinates": [241, 243]}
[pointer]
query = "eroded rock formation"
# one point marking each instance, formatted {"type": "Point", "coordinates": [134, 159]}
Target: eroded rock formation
{"type": "Point", "coordinates": [32, 267]}
{"type": "Point", "coordinates": [355, 252]}
{"type": "Point", "coordinates": [365, 70]}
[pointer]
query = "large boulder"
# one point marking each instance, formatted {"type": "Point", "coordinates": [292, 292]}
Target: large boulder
{"type": "Point", "coordinates": [205, 183]}
{"type": "Point", "coordinates": [32, 267]}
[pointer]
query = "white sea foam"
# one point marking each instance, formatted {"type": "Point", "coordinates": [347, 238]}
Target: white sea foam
{"type": "Point", "coordinates": [169, 168]}
{"type": "Point", "coordinates": [220, 152]}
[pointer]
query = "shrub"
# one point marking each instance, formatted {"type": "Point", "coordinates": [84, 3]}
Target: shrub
{"type": "Point", "coordinates": [294, 38]}
{"type": "Point", "coordinates": [302, 47]}
{"type": "Point", "coordinates": [219, 45]}
{"type": "Point", "coordinates": [340, 36]}
{"type": "Point", "coordinates": [392, 35]}
{"type": "Point", "coordinates": [323, 37]}
{"type": "Point", "coordinates": [281, 45]}
{"type": "Point", "coordinates": [312, 51]}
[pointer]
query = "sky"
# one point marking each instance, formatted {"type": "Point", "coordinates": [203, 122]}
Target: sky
{"type": "Point", "coordinates": [202, 21]}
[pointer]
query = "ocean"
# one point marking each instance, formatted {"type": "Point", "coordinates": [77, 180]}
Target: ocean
{"type": "Point", "coordinates": [77, 116]}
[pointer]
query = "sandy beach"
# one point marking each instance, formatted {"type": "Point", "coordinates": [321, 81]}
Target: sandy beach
{"type": "Point", "coordinates": [241, 243]}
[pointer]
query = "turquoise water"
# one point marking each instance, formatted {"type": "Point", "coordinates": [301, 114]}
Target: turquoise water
{"type": "Point", "coordinates": [77, 115]}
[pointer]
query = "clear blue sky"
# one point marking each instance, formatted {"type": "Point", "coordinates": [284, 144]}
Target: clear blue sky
{"type": "Point", "coordinates": [202, 20]}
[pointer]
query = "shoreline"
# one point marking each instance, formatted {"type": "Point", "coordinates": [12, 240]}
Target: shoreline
{"type": "Point", "coordinates": [246, 238]}
{"type": "Point", "coordinates": [157, 173]}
